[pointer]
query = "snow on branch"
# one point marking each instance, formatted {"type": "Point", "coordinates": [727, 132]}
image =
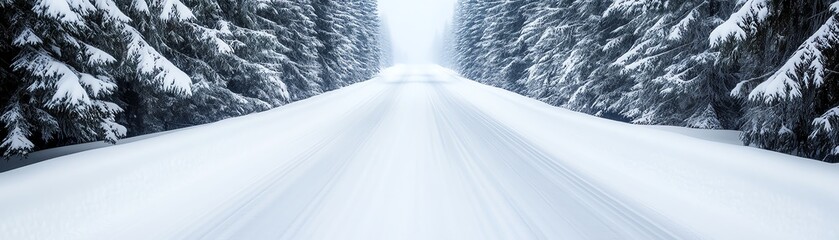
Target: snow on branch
{"type": "Point", "coordinates": [96, 56]}
{"type": "Point", "coordinates": [213, 36]}
{"type": "Point", "coordinates": [27, 37]}
{"type": "Point", "coordinates": [677, 32]}
{"type": "Point", "coordinates": [140, 6]}
{"type": "Point", "coordinates": [783, 83]}
{"type": "Point", "coordinates": [822, 123]}
{"type": "Point", "coordinates": [149, 61]}
{"type": "Point", "coordinates": [17, 140]}
{"type": "Point", "coordinates": [627, 6]}
{"type": "Point", "coordinates": [111, 11]}
{"type": "Point", "coordinates": [66, 11]}
{"type": "Point", "coordinates": [99, 86]}
{"type": "Point", "coordinates": [53, 74]}
{"type": "Point", "coordinates": [113, 131]}
{"type": "Point", "coordinates": [756, 10]}
{"type": "Point", "coordinates": [174, 9]}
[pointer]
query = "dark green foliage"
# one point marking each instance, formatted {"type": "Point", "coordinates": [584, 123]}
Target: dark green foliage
{"type": "Point", "coordinates": [768, 69]}
{"type": "Point", "coordinates": [105, 69]}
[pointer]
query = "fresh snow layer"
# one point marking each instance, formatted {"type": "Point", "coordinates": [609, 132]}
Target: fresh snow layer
{"type": "Point", "coordinates": [419, 153]}
{"type": "Point", "coordinates": [722, 136]}
{"type": "Point", "coordinates": [18, 161]}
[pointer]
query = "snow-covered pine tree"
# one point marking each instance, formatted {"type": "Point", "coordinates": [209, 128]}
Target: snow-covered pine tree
{"type": "Point", "coordinates": [70, 67]}
{"type": "Point", "coordinates": [61, 88]}
{"type": "Point", "coordinates": [353, 26]}
{"type": "Point", "coordinates": [676, 80]}
{"type": "Point", "coordinates": [469, 28]}
{"type": "Point", "coordinates": [551, 32]}
{"type": "Point", "coordinates": [294, 28]}
{"type": "Point", "coordinates": [782, 78]}
{"type": "Point", "coordinates": [546, 49]}
{"type": "Point", "coordinates": [492, 42]}
{"type": "Point", "coordinates": [365, 38]}
{"type": "Point", "coordinates": [255, 69]}
{"type": "Point", "coordinates": [485, 47]}
{"type": "Point", "coordinates": [504, 52]}
{"type": "Point", "coordinates": [335, 53]}
{"type": "Point", "coordinates": [825, 136]}
{"type": "Point", "coordinates": [373, 47]}
{"type": "Point", "coordinates": [579, 35]}
{"type": "Point", "coordinates": [8, 81]}
{"type": "Point", "coordinates": [201, 44]}
{"type": "Point", "coordinates": [146, 109]}
{"type": "Point", "coordinates": [601, 83]}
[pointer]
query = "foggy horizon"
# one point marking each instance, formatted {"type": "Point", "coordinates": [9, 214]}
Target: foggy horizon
{"type": "Point", "coordinates": [414, 25]}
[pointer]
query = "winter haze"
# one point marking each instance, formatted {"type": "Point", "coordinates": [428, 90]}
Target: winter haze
{"type": "Point", "coordinates": [327, 119]}
{"type": "Point", "coordinates": [414, 25]}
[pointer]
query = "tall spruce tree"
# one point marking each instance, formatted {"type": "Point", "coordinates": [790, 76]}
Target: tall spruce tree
{"type": "Point", "coordinates": [783, 79]}
{"type": "Point", "coordinates": [676, 79]}
{"type": "Point", "coordinates": [80, 70]}
{"type": "Point", "coordinates": [336, 50]}
{"type": "Point", "coordinates": [766, 69]}
{"type": "Point", "coordinates": [469, 28]}
{"type": "Point", "coordinates": [61, 88]}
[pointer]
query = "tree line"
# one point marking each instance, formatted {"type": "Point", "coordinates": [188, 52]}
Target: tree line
{"type": "Point", "coordinates": [765, 67]}
{"type": "Point", "coordinates": [76, 71]}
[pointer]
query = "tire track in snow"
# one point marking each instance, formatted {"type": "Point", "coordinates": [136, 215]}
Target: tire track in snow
{"type": "Point", "coordinates": [509, 157]}
{"type": "Point", "coordinates": [320, 164]}
{"type": "Point", "coordinates": [417, 154]}
{"type": "Point", "coordinates": [493, 205]}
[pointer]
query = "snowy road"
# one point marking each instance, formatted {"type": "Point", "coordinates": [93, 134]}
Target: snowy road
{"type": "Point", "coordinates": [419, 153]}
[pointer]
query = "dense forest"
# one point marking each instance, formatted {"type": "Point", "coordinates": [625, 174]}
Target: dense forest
{"type": "Point", "coordinates": [765, 67]}
{"type": "Point", "coordinates": [77, 71]}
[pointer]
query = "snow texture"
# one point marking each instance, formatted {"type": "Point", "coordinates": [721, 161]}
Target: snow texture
{"type": "Point", "coordinates": [18, 136]}
{"type": "Point", "coordinates": [66, 11]}
{"type": "Point", "coordinates": [677, 32]}
{"type": "Point", "coordinates": [27, 37]}
{"type": "Point", "coordinates": [737, 24]}
{"type": "Point", "coordinates": [98, 57]}
{"type": "Point", "coordinates": [149, 61]}
{"type": "Point", "coordinates": [113, 130]}
{"type": "Point", "coordinates": [627, 6]}
{"type": "Point", "coordinates": [99, 86]}
{"type": "Point", "coordinates": [213, 36]}
{"type": "Point", "coordinates": [174, 9]}
{"type": "Point", "coordinates": [822, 123]}
{"type": "Point", "coordinates": [56, 76]}
{"type": "Point", "coordinates": [419, 153]}
{"type": "Point", "coordinates": [140, 6]}
{"type": "Point", "coordinates": [785, 83]}
{"type": "Point", "coordinates": [111, 11]}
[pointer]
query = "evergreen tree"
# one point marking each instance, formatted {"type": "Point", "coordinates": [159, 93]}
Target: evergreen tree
{"type": "Point", "coordinates": [765, 70]}
{"type": "Point", "coordinates": [469, 28]}
{"type": "Point", "coordinates": [79, 70]}
{"type": "Point", "coordinates": [782, 79]}
{"type": "Point", "coordinates": [551, 32]}
{"type": "Point", "coordinates": [295, 29]}
{"type": "Point", "coordinates": [504, 50]}
{"type": "Point", "coordinates": [61, 89]}
{"type": "Point", "coordinates": [676, 79]}
{"type": "Point", "coordinates": [167, 36]}
{"type": "Point", "coordinates": [366, 39]}
{"type": "Point", "coordinates": [336, 49]}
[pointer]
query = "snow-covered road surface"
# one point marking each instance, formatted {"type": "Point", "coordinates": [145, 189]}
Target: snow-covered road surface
{"type": "Point", "coordinates": [419, 153]}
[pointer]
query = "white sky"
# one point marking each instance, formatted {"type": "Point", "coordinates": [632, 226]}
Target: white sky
{"type": "Point", "coordinates": [414, 25]}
